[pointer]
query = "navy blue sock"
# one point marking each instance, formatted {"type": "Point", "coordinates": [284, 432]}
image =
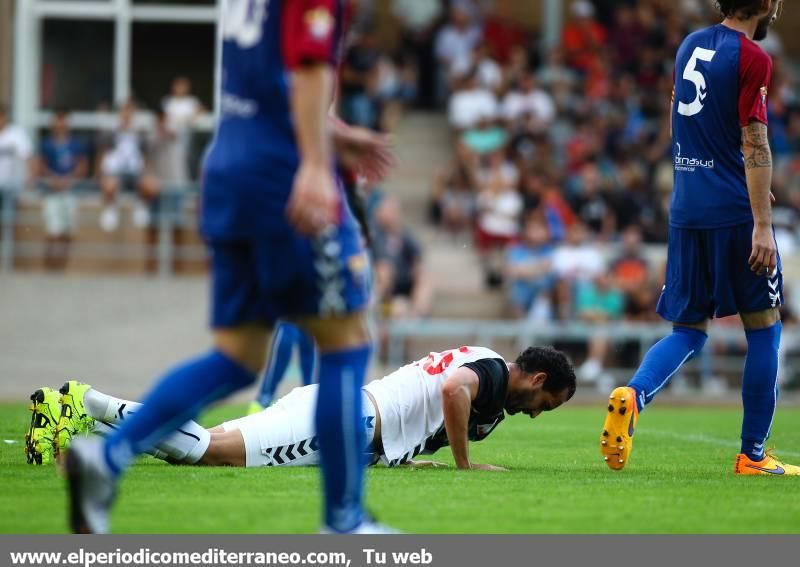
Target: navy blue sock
{"type": "Point", "coordinates": [664, 360]}
{"type": "Point", "coordinates": [340, 430]}
{"type": "Point", "coordinates": [759, 388]}
{"type": "Point", "coordinates": [283, 341]}
{"type": "Point", "coordinates": [178, 397]}
{"type": "Point", "coordinates": [308, 358]}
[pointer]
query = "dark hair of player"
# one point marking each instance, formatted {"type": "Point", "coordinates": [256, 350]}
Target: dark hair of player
{"type": "Point", "coordinates": [743, 9]}
{"type": "Point", "coordinates": [554, 363]}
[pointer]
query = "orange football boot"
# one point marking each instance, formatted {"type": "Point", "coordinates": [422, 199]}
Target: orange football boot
{"type": "Point", "coordinates": [616, 441]}
{"type": "Point", "coordinates": [769, 465]}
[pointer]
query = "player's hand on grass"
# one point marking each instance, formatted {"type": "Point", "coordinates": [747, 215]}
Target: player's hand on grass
{"type": "Point", "coordinates": [480, 467]}
{"type": "Point", "coordinates": [426, 465]}
{"type": "Point", "coordinates": [764, 255]}
{"type": "Point", "coordinates": [314, 202]}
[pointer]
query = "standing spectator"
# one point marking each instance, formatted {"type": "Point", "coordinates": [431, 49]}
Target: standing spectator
{"type": "Point", "coordinates": [181, 106]}
{"type": "Point", "coordinates": [583, 37]}
{"type": "Point", "coordinates": [123, 169]}
{"type": "Point", "coordinates": [455, 42]}
{"type": "Point", "coordinates": [529, 271]}
{"type": "Point", "coordinates": [15, 154]}
{"type": "Point", "coordinates": [401, 283]}
{"type": "Point", "coordinates": [63, 165]}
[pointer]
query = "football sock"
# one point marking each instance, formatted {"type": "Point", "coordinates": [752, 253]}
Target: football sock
{"type": "Point", "coordinates": [107, 408]}
{"type": "Point", "coordinates": [283, 341]}
{"type": "Point", "coordinates": [340, 430]}
{"type": "Point", "coordinates": [178, 397]}
{"type": "Point", "coordinates": [759, 388]}
{"type": "Point", "coordinates": [188, 444]}
{"type": "Point", "coordinates": [663, 361]}
{"type": "Point", "coordinates": [308, 358]}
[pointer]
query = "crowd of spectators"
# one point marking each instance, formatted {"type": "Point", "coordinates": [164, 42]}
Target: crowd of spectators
{"type": "Point", "coordinates": [562, 165]}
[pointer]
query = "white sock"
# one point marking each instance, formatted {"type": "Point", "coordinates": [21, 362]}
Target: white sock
{"type": "Point", "coordinates": [188, 444]}
{"type": "Point", "coordinates": [104, 430]}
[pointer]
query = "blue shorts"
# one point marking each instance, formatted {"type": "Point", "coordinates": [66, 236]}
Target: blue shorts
{"type": "Point", "coordinates": [261, 280]}
{"type": "Point", "coordinates": [708, 276]}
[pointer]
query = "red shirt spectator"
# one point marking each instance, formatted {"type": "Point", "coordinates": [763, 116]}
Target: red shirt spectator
{"type": "Point", "coordinates": [583, 37]}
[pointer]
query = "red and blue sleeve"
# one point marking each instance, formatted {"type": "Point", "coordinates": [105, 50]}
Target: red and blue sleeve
{"type": "Point", "coordinates": [755, 75]}
{"type": "Point", "coordinates": [311, 32]}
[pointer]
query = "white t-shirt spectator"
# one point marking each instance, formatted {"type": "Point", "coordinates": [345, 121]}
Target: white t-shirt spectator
{"type": "Point", "coordinates": [469, 107]}
{"type": "Point", "coordinates": [580, 263]}
{"type": "Point", "coordinates": [417, 15]}
{"type": "Point", "coordinates": [500, 212]}
{"type": "Point", "coordinates": [15, 151]}
{"type": "Point", "coordinates": [487, 72]}
{"type": "Point", "coordinates": [536, 103]}
{"type": "Point", "coordinates": [453, 44]}
{"type": "Point", "coordinates": [181, 111]}
{"type": "Point", "coordinates": [125, 158]}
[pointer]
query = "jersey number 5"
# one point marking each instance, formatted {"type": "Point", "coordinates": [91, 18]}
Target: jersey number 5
{"type": "Point", "coordinates": [242, 21]}
{"type": "Point", "coordinates": [691, 74]}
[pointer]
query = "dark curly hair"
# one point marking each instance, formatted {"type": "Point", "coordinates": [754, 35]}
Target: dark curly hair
{"type": "Point", "coordinates": [554, 363]}
{"type": "Point", "coordinates": [743, 9]}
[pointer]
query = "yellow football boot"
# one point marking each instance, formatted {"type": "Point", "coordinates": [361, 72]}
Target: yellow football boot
{"type": "Point", "coordinates": [73, 420]}
{"type": "Point", "coordinates": [42, 431]}
{"type": "Point", "coordinates": [254, 407]}
{"type": "Point", "coordinates": [616, 441]}
{"type": "Point", "coordinates": [769, 465]}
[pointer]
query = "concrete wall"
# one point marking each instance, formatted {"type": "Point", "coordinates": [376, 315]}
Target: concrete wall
{"type": "Point", "coordinates": [6, 39]}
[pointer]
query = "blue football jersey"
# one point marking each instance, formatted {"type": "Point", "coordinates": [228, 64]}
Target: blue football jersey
{"type": "Point", "coordinates": [721, 82]}
{"type": "Point", "coordinates": [252, 160]}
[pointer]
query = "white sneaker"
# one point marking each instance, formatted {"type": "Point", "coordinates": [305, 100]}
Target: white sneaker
{"type": "Point", "coordinates": [368, 526]}
{"type": "Point", "coordinates": [109, 219]}
{"type": "Point", "coordinates": [141, 216]}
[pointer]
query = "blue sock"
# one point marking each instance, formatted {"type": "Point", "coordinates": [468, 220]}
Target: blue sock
{"type": "Point", "coordinates": [759, 388]}
{"type": "Point", "coordinates": [308, 358]}
{"type": "Point", "coordinates": [340, 430]}
{"type": "Point", "coordinates": [280, 354]}
{"type": "Point", "coordinates": [664, 360]}
{"type": "Point", "coordinates": [178, 397]}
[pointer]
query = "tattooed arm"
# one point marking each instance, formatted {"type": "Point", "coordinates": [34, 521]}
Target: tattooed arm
{"type": "Point", "coordinates": [758, 169]}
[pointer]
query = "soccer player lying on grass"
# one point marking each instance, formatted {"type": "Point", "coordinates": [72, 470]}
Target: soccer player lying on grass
{"type": "Point", "coordinates": [446, 398]}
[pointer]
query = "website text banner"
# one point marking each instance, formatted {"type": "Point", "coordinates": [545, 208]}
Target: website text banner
{"type": "Point", "coordinates": [392, 551]}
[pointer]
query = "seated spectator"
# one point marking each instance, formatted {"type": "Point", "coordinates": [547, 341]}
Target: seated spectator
{"type": "Point", "coordinates": [583, 37]}
{"type": "Point", "coordinates": [488, 73]}
{"type": "Point", "coordinates": [591, 202]}
{"type": "Point", "coordinates": [597, 301]}
{"type": "Point", "coordinates": [527, 104]}
{"type": "Point", "coordinates": [502, 33]}
{"type": "Point", "coordinates": [577, 260]}
{"type": "Point", "coordinates": [630, 269]}
{"type": "Point", "coordinates": [15, 154]}
{"type": "Point", "coordinates": [63, 165]}
{"type": "Point", "coordinates": [471, 104]}
{"type": "Point", "coordinates": [455, 42]}
{"type": "Point", "coordinates": [455, 195]}
{"type": "Point", "coordinates": [358, 81]}
{"type": "Point", "coordinates": [122, 168]}
{"type": "Point", "coordinates": [401, 283]}
{"type": "Point", "coordinates": [529, 272]}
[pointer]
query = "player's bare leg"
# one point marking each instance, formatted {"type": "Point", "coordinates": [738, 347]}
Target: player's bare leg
{"type": "Point", "coordinates": [625, 403]}
{"type": "Point", "coordinates": [760, 395]}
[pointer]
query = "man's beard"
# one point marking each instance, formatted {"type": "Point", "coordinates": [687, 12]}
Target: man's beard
{"type": "Point", "coordinates": [762, 28]}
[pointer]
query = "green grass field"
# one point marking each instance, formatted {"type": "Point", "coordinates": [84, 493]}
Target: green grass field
{"type": "Point", "coordinates": [679, 481]}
